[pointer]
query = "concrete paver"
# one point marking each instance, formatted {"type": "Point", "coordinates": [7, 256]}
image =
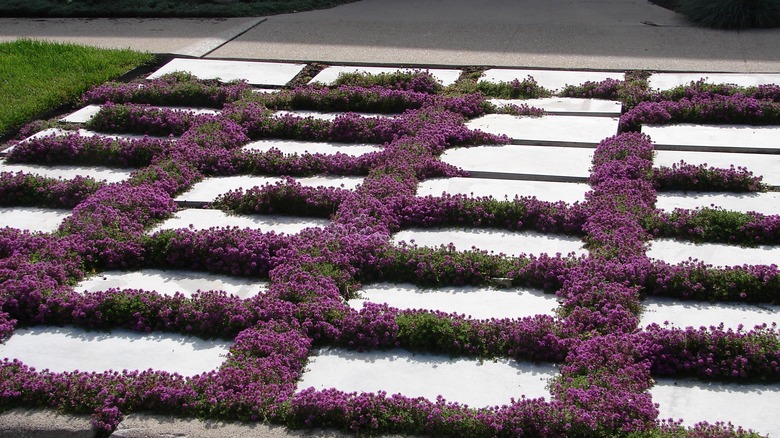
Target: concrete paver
{"type": "Point", "coordinates": [750, 406]}
{"type": "Point", "coordinates": [169, 282]}
{"type": "Point", "coordinates": [330, 74]}
{"type": "Point", "coordinates": [256, 73]}
{"type": "Point", "coordinates": [465, 380]}
{"type": "Point", "coordinates": [575, 131]}
{"type": "Point", "coordinates": [61, 349]}
{"type": "Point", "coordinates": [199, 219]}
{"type": "Point", "coordinates": [715, 138]}
{"type": "Point", "coordinates": [476, 302]}
{"type": "Point", "coordinates": [511, 243]}
{"type": "Point", "coordinates": [293, 147]}
{"type": "Point", "coordinates": [44, 220]}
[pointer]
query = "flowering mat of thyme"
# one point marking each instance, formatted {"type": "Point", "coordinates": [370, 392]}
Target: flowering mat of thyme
{"type": "Point", "coordinates": [290, 243]}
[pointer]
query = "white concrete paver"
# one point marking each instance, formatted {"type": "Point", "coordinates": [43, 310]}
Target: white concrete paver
{"type": "Point", "coordinates": [511, 243]}
{"type": "Point", "coordinates": [548, 130]}
{"type": "Point", "coordinates": [717, 254]}
{"type": "Point", "coordinates": [524, 161]}
{"type": "Point", "coordinates": [68, 349]}
{"type": "Point", "coordinates": [210, 188]}
{"type": "Point", "coordinates": [256, 73]}
{"type": "Point", "coordinates": [200, 219]}
{"type": "Point", "coordinates": [44, 220]}
{"type": "Point", "coordinates": [550, 79]}
{"type": "Point", "coordinates": [294, 147]}
{"type": "Point", "coordinates": [329, 75]}
{"type": "Point", "coordinates": [476, 302]}
{"type": "Point", "coordinates": [326, 116]}
{"type": "Point", "coordinates": [85, 114]}
{"type": "Point", "coordinates": [666, 81]}
{"type": "Point", "coordinates": [715, 138]}
{"type": "Point", "coordinates": [502, 189]}
{"type": "Point", "coordinates": [745, 405]}
{"type": "Point", "coordinates": [171, 282]}
{"type": "Point", "coordinates": [568, 105]}
{"type": "Point", "coordinates": [463, 380]}
{"type": "Point", "coordinates": [764, 165]}
{"type": "Point", "coordinates": [82, 115]}
{"type": "Point", "coordinates": [99, 173]}
{"type": "Point", "coordinates": [697, 314]}
{"type": "Point", "coordinates": [765, 202]}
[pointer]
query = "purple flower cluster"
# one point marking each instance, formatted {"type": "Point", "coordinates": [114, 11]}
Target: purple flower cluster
{"type": "Point", "coordinates": [95, 150]}
{"type": "Point", "coordinates": [142, 119]}
{"type": "Point", "coordinates": [715, 109]}
{"type": "Point", "coordinates": [518, 214]}
{"type": "Point", "coordinates": [607, 360]}
{"type": "Point", "coordinates": [176, 89]}
{"type": "Point", "coordinates": [718, 225]}
{"type": "Point", "coordinates": [24, 189]}
{"type": "Point", "coordinates": [703, 178]}
{"type": "Point", "coordinates": [285, 197]}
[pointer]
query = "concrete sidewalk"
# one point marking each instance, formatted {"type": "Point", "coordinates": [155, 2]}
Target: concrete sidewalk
{"type": "Point", "coordinates": [583, 34]}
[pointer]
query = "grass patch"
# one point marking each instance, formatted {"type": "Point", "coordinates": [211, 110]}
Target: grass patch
{"type": "Point", "coordinates": [39, 76]}
{"type": "Point", "coordinates": [159, 8]}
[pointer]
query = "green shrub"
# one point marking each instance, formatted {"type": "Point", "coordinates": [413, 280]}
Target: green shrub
{"type": "Point", "coordinates": [732, 14]}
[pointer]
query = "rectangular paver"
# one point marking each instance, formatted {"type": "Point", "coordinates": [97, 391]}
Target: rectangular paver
{"type": "Point", "coordinates": [666, 81]}
{"type": "Point", "coordinates": [697, 314]}
{"type": "Point", "coordinates": [85, 114]}
{"type": "Point", "coordinates": [99, 173]}
{"type": "Point", "coordinates": [511, 243]}
{"type": "Point", "coordinates": [209, 189]}
{"type": "Point", "coordinates": [329, 75]}
{"type": "Point", "coordinates": [45, 220]}
{"type": "Point", "coordinates": [717, 254]}
{"type": "Point", "coordinates": [550, 79]}
{"type": "Point", "coordinates": [568, 106]}
{"type": "Point", "coordinates": [766, 166]}
{"type": "Point", "coordinates": [464, 380]}
{"type": "Point", "coordinates": [751, 406]}
{"type": "Point", "coordinates": [63, 349]}
{"type": "Point", "coordinates": [504, 189]}
{"type": "Point", "coordinates": [476, 302]}
{"type": "Point", "coordinates": [715, 138]}
{"type": "Point", "coordinates": [171, 282]}
{"type": "Point", "coordinates": [294, 147]}
{"type": "Point", "coordinates": [764, 203]}
{"type": "Point", "coordinates": [548, 163]}
{"type": "Point", "coordinates": [577, 131]}
{"type": "Point", "coordinates": [256, 73]}
{"type": "Point", "coordinates": [199, 219]}
{"type": "Point", "coordinates": [327, 116]}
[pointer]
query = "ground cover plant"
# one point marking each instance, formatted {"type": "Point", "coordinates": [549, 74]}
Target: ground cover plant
{"type": "Point", "coordinates": [157, 9]}
{"type": "Point", "coordinates": [608, 362]}
{"type": "Point", "coordinates": [727, 14]}
{"type": "Point", "coordinates": [39, 76]}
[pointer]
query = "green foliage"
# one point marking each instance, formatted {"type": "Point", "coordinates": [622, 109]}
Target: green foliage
{"type": "Point", "coordinates": [732, 14]}
{"type": "Point", "coordinates": [38, 76]}
{"type": "Point", "coordinates": [443, 266]}
{"type": "Point", "coordinates": [433, 333]}
{"type": "Point", "coordinates": [416, 80]}
{"type": "Point", "coordinates": [517, 89]}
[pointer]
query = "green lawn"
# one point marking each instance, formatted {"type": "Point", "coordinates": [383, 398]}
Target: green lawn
{"type": "Point", "coordinates": [158, 8]}
{"type": "Point", "coordinates": [38, 76]}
